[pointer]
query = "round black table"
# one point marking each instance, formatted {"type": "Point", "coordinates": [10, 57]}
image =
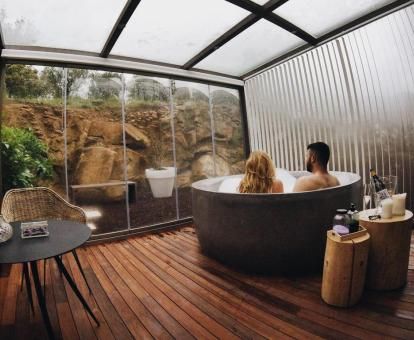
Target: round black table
{"type": "Point", "coordinates": [64, 236]}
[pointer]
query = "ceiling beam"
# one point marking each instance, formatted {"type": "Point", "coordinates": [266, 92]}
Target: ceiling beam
{"type": "Point", "coordinates": [288, 26]}
{"type": "Point", "coordinates": [353, 25]}
{"type": "Point", "coordinates": [119, 27]}
{"type": "Point", "coordinates": [115, 65]}
{"type": "Point", "coordinates": [220, 41]}
{"type": "Point", "coordinates": [257, 12]}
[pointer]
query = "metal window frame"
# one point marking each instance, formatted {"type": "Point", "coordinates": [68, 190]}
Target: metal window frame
{"type": "Point", "coordinates": [2, 46]}
{"type": "Point", "coordinates": [119, 26]}
{"type": "Point", "coordinates": [112, 64]}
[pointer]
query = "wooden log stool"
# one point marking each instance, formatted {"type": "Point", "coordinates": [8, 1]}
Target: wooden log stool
{"type": "Point", "coordinates": [389, 249]}
{"type": "Point", "coordinates": [344, 269]}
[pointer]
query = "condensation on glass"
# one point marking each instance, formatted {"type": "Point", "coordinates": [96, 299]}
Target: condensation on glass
{"type": "Point", "coordinates": [318, 17]}
{"type": "Point", "coordinates": [156, 31]}
{"type": "Point", "coordinates": [258, 44]}
{"type": "Point", "coordinates": [59, 24]}
{"type": "Point", "coordinates": [355, 93]}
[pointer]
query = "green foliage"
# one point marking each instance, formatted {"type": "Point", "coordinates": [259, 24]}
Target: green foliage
{"type": "Point", "coordinates": [52, 77]}
{"type": "Point", "coordinates": [22, 81]}
{"type": "Point", "coordinates": [24, 158]}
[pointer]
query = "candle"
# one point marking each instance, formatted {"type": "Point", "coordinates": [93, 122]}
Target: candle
{"type": "Point", "coordinates": [398, 208]}
{"type": "Point", "coordinates": [386, 208]}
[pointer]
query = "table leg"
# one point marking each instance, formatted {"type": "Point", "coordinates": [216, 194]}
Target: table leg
{"type": "Point", "coordinates": [28, 285]}
{"type": "Point", "coordinates": [41, 299]}
{"type": "Point", "coordinates": [44, 278]}
{"type": "Point", "coordinates": [22, 279]}
{"type": "Point", "coordinates": [80, 268]}
{"type": "Point", "coordinates": [75, 288]}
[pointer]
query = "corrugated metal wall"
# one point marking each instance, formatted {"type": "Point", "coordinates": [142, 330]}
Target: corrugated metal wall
{"type": "Point", "coordinates": [356, 93]}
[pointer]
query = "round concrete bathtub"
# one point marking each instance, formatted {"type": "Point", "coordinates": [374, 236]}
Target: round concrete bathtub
{"type": "Point", "coordinates": [269, 233]}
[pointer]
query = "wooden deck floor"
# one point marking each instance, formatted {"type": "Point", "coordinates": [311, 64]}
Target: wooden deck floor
{"type": "Point", "coordinates": [160, 286]}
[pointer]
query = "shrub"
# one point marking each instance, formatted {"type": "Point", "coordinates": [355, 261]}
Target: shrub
{"type": "Point", "coordinates": [24, 158]}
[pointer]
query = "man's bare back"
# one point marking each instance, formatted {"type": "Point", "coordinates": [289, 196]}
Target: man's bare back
{"type": "Point", "coordinates": [315, 182]}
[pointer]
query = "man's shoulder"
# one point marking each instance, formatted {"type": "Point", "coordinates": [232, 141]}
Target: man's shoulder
{"type": "Point", "coordinates": [311, 178]}
{"type": "Point", "coordinates": [306, 183]}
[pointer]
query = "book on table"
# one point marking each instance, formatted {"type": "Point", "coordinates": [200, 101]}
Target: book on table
{"type": "Point", "coordinates": [34, 229]}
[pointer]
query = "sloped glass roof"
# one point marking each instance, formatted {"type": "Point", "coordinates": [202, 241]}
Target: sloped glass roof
{"type": "Point", "coordinates": [66, 24]}
{"type": "Point", "coordinates": [249, 49]}
{"type": "Point", "coordinates": [158, 31]}
{"type": "Point", "coordinates": [230, 37]}
{"type": "Point", "coordinates": [318, 17]}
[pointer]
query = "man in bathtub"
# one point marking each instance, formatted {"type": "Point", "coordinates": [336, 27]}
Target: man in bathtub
{"type": "Point", "coordinates": [317, 158]}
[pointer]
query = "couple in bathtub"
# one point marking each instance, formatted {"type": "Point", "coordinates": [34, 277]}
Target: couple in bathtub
{"type": "Point", "coordinates": [260, 174]}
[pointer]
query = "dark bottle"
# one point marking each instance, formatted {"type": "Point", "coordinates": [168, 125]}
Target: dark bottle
{"type": "Point", "coordinates": [381, 191]}
{"type": "Point", "coordinates": [353, 219]}
{"type": "Point", "coordinates": [376, 181]}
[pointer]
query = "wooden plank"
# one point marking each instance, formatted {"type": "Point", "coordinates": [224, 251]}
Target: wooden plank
{"type": "Point", "coordinates": [4, 280]}
{"type": "Point", "coordinates": [103, 331]}
{"type": "Point", "coordinates": [107, 311]}
{"type": "Point", "coordinates": [167, 320]}
{"type": "Point", "coordinates": [23, 330]}
{"type": "Point", "coordinates": [219, 297]}
{"type": "Point", "coordinates": [226, 290]}
{"type": "Point", "coordinates": [50, 301]}
{"type": "Point", "coordinates": [66, 322]}
{"type": "Point", "coordinates": [181, 316]}
{"type": "Point", "coordinates": [83, 325]}
{"type": "Point", "coordinates": [143, 314]}
{"type": "Point", "coordinates": [134, 325]}
{"type": "Point", "coordinates": [281, 308]}
{"type": "Point", "coordinates": [9, 308]}
{"type": "Point", "coordinates": [345, 320]}
{"type": "Point", "coordinates": [160, 286]}
{"type": "Point", "coordinates": [166, 281]}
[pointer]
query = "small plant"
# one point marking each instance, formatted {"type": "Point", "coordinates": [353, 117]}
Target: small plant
{"type": "Point", "coordinates": [24, 158]}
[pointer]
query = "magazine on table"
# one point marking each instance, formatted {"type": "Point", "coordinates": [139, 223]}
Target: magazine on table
{"type": "Point", "coordinates": [34, 229]}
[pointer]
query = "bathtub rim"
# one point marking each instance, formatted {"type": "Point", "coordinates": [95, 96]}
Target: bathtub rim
{"type": "Point", "coordinates": [206, 186]}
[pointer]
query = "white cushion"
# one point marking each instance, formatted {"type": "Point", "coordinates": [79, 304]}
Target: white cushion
{"type": "Point", "coordinates": [230, 185]}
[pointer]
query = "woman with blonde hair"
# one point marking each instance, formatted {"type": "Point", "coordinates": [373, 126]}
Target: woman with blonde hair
{"type": "Point", "coordinates": [260, 175]}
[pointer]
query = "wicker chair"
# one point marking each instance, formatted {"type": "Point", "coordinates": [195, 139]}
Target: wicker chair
{"type": "Point", "coordinates": [33, 204]}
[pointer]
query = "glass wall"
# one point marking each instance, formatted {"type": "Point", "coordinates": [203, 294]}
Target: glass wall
{"type": "Point", "coordinates": [95, 148]}
{"type": "Point", "coordinates": [149, 146]}
{"type": "Point", "coordinates": [193, 139]}
{"type": "Point", "coordinates": [124, 147]}
{"type": "Point", "coordinates": [228, 131]}
{"type": "Point", "coordinates": [32, 128]}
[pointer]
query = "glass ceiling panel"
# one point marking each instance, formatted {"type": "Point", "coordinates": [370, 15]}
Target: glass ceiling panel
{"type": "Point", "coordinates": [175, 31]}
{"type": "Point", "coordinates": [255, 46]}
{"type": "Point", "coordinates": [80, 25]}
{"type": "Point", "coordinates": [318, 17]}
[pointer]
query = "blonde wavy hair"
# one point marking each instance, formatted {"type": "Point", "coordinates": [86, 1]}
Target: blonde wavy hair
{"type": "Point", "coordinates": [259, 174]}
